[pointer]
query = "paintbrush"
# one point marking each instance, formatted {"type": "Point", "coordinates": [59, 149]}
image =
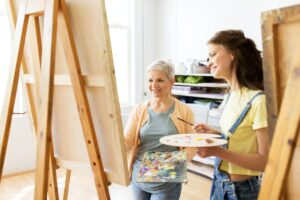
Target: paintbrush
{"type": "Point", "coordinates": [185, 121]}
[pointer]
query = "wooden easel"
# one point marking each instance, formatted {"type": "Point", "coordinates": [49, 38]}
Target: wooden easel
{"type": "Point", "coordinates": [285, 140]}
{"type": "Point", "coordinates": [281, 46]}
{"type": "Point", "coordinates": [55, 14]}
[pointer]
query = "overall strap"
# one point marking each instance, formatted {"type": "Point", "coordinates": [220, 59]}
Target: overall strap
{"type": "Point", "coordinates": [243, 114]}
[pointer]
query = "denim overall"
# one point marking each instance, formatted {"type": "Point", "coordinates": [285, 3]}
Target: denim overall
{"type": "Point", "coordinates": [222, 186]}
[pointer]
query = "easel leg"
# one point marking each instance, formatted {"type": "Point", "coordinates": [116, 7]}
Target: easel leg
{"type": "Point", "coordinates": [67, 184]}
{"type": "Point", "coordinates": [45, 109]}
{"type": "Point", "coordinates": [284, 141]}
{"type": "Point", "coordinates": [52, 182]}
{"type": "Point", "coordinates": [36, 53]}
{"type": "Point", "coordinates": [13, 83]}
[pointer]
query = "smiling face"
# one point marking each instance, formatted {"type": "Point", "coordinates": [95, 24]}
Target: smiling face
{"type": "Point", "coordinates": [220, 61]}
{"type": "Point", "coordinates": [158, 83]}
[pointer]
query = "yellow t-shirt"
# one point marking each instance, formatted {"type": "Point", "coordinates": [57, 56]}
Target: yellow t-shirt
{"type": "Point", "coordinates": [244, 139]}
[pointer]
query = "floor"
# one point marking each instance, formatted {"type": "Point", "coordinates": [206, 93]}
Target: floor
{"type": "Point", "coordinates": [21, 187]}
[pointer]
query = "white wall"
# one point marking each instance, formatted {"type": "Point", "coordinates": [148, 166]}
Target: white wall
{"type": "Point", "coordinates": [20, 155]}
{"type": "Point", "coordinates": [179, 29]}
{"type": "Point", "coordinates": [198, 21]}
{"type": "Point", "coordinates": [158, 21]}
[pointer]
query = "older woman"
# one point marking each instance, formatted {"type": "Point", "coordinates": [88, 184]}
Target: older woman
{"type": "Point", "coordinates": [150, 121]}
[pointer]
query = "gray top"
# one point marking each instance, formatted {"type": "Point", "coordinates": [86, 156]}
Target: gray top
{"type": "Point", "coordinates": [158, 125]}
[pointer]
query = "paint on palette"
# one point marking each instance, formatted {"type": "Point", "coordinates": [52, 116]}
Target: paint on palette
{"type": "Point", "coordinates": [186, 139]}
{"type": "Point", "coordinates": [163, 167]}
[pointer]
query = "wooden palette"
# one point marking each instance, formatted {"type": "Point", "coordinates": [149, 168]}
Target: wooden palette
{"type": "Point", "coordinates": [193, 140]}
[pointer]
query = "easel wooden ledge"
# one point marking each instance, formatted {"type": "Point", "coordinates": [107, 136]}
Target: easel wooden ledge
{"type": "Point", "coordinates": [55, 13]}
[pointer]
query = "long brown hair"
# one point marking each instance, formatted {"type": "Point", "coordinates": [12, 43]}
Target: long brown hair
{"type": "Point", "coordinates": [247, 58]}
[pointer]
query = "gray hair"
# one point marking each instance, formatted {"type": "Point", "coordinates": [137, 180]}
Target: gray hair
{"type": "Point", "coordinates": [165, 66]}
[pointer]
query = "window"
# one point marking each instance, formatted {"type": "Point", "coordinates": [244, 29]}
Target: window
{"type": "Point", "coordinates": [119, 28]}
{"type": "Point", "coordinates": [4, 52]}
{"type": "Point", "coordinates": [5, 62]}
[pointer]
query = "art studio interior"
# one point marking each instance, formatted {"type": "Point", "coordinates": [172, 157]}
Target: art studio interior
{"type": "Point", "coordinates": [149, 99]}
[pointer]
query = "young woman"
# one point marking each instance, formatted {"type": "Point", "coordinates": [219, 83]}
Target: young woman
{"type": "Point", "coordinates": [235, 58]}
{"type": "Point", "coordinates": [150, 121]}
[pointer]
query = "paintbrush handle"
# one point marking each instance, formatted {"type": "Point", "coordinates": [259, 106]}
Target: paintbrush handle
{"type": "Point", "coordinates": [185, 121]}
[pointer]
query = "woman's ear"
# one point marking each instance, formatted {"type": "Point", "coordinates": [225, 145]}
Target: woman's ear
{"type": "Point", "coordinates": [173, 81]}
{"type": "Point", "coordinates": [231, 56]}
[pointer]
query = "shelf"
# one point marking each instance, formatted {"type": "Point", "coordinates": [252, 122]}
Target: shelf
{"type": "Point", "coordinates": [206, 161]}
{"type": "Point", "coordinates": [215, 112]}
{"type": "Point", "coordinates": [195, 74]}
{"type": "Point", "coordinates": [215, 85]}
{"type": "Point", "coordinates": [201, 169]}
{"type": "Point", "coordinates": [202, 95]}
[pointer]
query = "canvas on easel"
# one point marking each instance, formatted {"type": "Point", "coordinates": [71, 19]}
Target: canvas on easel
{"type": "Point", "coordinates": [82, 100]}
{"type": "Point", "coordinates": [281, 47]}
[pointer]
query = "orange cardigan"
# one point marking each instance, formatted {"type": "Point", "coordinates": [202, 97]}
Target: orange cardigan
{"type": "Point", "coordinates": [139, 116]}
